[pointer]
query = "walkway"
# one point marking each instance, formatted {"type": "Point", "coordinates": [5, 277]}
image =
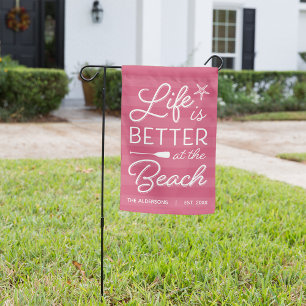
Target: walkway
{"type": "Point", "coordinates": [249, 145]}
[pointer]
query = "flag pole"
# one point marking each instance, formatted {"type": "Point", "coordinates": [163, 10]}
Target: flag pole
{"type": "Point", "coordinates": [102, 178]}
{"type": "Point", "coordinates": [103, 142]}
{"type": "Point", "coordinates": [105, 67]}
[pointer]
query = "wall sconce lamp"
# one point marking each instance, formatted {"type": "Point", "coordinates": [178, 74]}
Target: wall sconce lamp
{"type": "Point", "coordinates": [97, 12]}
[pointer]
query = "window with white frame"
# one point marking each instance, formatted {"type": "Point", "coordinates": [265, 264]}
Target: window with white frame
{"type": "Point", "coordinates": [224, 35]}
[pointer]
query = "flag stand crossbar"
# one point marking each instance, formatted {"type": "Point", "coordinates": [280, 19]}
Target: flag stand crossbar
{"type": "Point", "coordinates": [105, 67]}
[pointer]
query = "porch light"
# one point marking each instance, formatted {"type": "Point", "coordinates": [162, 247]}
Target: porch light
{"type": "Point", "coordinates": [97, 12]}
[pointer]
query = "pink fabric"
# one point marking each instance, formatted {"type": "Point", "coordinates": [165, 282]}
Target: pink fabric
{"type": "Point", "coordinates": [168, 146]}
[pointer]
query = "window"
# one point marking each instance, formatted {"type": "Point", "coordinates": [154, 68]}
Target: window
{"type": "Point", "coordinates": [50, 35]}
{"type": "Point", "coordinates": [224, 35]}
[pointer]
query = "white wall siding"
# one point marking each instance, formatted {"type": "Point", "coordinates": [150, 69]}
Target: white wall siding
{"type": "Point", "coordinates": [178, 32]}
{"type": "Point", "coordinates": [113, 41]}
{"type": "Point", "coordinates": [276, 34]}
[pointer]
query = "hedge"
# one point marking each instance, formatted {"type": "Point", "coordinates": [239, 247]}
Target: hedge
{"type": "Point", "coordinates": [30, 92]}
{"type": "Point", "coordinates": [248, 92]}
{"type": "Point", "coordinates": [240, 92]}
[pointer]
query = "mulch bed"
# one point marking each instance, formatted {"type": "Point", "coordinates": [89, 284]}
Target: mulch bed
{"type": "Point", "coordinates": [108, 112]}
{"type": "Point", "coordinates": [38, 119]}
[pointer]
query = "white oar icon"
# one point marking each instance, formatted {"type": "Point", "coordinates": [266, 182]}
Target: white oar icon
{"type": "Point", "coordinates": [158, 154]}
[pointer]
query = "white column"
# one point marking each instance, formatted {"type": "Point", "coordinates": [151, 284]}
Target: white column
{"type": "Point", "coordinates": [174, 32]}
{"type": "Point", "coordinates": [203, 20]}
{"type": "Point", "coordinates": [151, 32]}
{"type": "Point", "coordinates": [191, 33]}
{"type": "Point", "coordinates": [139, 30]}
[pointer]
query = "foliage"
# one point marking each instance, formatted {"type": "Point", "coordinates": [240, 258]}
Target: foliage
{"type": "Point", "coordinates": [250, 252]}
{"type": "Point", "coordinates": [240, 92]}
{"type": "Point", "coordinates": [248, 92]}
{"type": "Point", "coordinates": [113, 85]}
{"type": "Point", "coordinates": [29, 92]}
{"type": "Point", "coordinates": [298, 157]}
{"type": "Point", "coordinates": [303, 56]}
{"type": "Point", "coordinates": [6, 62]}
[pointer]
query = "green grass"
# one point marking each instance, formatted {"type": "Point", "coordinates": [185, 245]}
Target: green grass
{"type": "Point", "coordinates": [298, 157]}
{"type": "Point", "coordinates": [250, 252]}
{"type": "Point", "coordinates": [274, 116]}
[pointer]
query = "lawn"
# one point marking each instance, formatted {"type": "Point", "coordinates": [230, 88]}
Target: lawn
{"type": "Point", "coordinates": [298, 157]}
{"type": "Point", "coordinates": [301, 115]}
{"type": "Point", "coordinates": [250, 252]}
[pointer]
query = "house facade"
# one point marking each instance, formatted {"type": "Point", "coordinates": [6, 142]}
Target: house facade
{"type": "Point", "coordinates": [248, 34]}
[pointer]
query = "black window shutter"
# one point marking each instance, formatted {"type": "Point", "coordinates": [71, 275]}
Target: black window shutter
{"type": "Point", "coordinates": [248, 44]}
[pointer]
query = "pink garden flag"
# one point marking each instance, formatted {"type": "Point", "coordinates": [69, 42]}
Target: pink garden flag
{"type": "Point", "coordinates": [168, 146]}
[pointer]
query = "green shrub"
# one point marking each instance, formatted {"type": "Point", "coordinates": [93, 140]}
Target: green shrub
{"type": "Point", "coordinates": [299, 90]}
{"type": "Point", "coordinates": [113, 91]}
{"type": "Point", "coordinates": [248, 92]}
{"type": "Point", "coordinates": [240, 92]}
{"type": "Point", "coordinates": [6, 62]}
{"type": "Point", "coordinates": [29, 92]}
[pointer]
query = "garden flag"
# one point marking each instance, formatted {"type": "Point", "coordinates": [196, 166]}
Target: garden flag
{"type": "Point", "coordinates": [168, 146]}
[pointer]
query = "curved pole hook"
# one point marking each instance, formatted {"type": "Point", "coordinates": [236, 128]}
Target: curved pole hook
{"type": "Point", "coordinates": [93, 77]}
{"type": "Point", "coordinates": [97, 73]}
{"type": "Point", "coordinates": [102, 66]}
{"type": "Point", "coordinates": [220, 59]}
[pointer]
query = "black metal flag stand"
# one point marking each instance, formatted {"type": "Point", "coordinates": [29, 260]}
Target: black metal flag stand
{"type": "Point", "coordinates": [103, 138]}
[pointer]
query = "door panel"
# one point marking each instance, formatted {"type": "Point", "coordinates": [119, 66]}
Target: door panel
{"type": "Point", "coordinates": [30, 47]}
{"type": "Point", "coordinates": [22, 46]}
